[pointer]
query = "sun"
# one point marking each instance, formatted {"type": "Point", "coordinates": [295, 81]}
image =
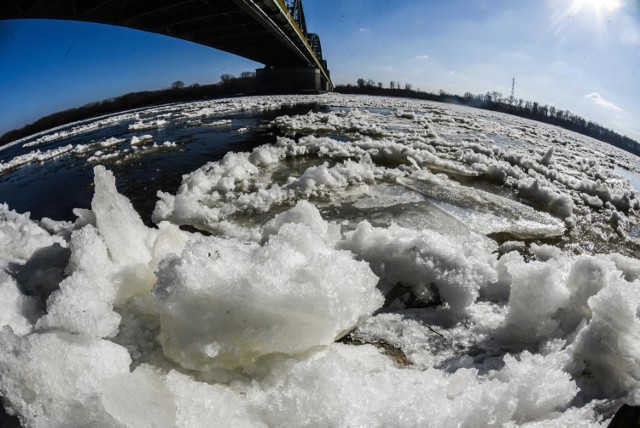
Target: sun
{"type": "Point", "coordinates": [598, 6]}
{"type": "Point", "coordinates": [596, 12]}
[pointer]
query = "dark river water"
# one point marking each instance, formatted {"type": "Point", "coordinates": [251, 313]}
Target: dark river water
{"type": "Point", "coordinates": [53, 188]}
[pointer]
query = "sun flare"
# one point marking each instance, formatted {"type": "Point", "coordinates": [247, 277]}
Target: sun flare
{"type": "Point", "coordinates": [598, 6]}
{"type": "Point", "coordinates": [595, 13]}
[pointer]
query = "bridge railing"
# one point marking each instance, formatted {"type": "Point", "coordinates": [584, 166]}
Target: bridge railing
{"type": "Point", "coordinates": [297, 12]}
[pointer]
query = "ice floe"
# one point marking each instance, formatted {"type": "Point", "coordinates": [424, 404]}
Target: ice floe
{"type": "Point", "coordinates": [387, 262]}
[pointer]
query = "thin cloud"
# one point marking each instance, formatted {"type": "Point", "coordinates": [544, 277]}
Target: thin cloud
{"type": "Point", "coordinates": [365, 30]}
{"type": "Point", "coordinates": [597, 99]}
{"type": "Point", "coordinates": [422, 57]}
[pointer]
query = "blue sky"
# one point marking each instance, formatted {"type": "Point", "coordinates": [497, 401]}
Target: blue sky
{"type": "Point", "coordinates": [581, 55]}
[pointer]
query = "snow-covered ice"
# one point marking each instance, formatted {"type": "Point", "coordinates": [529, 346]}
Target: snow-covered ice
{"type": "Point", "coordinates": [387, 262]}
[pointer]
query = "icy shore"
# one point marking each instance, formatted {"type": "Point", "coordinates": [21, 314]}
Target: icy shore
{"type": "Point", "coordinates": [386, 263]}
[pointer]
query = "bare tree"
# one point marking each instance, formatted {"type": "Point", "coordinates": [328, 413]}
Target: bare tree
{"type": "Point", "coordinates": [178, 84]}
{"type": "Point", "coordinates": [226, 78]}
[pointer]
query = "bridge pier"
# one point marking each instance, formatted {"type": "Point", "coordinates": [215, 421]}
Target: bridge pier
{"type": "Point", "coordinates": [290, 80]}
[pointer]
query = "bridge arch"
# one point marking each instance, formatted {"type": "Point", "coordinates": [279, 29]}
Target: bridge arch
{"type": "Point", "coordinates": [271, 32]}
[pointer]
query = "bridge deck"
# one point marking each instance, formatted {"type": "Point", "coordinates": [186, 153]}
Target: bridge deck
{"type": "Point", "coordinates": [260, 30]}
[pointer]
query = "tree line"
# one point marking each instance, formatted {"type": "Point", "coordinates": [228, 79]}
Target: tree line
{"type": "Point", "coordinates": [495, 101]}
{"type": "Point", "coordinates": [246, 84]}
{"type": "Point", "coordinates": [177, 91]}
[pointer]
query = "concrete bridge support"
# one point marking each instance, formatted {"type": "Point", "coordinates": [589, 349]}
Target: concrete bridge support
{"type": "Point", "coordinates": [290, 80]}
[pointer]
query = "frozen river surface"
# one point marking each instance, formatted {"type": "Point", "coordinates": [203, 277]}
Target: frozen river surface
{"type": "Point", "coordinates": [317, 261]}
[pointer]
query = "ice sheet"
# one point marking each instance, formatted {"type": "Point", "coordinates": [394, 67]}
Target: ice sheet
{"type": "Point", "coordinates": [320, 238]}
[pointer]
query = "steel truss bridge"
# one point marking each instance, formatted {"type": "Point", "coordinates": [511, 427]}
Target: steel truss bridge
{"type": "Point", "coordinates": [271, 32]}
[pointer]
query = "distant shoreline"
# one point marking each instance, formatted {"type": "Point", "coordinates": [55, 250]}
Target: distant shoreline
{"type": "Point", "coordinates": [493, 101]}
{"type": "Point", "coordinates": [132, 101]}
{"type": "Point", "coordinates": [246, 86]}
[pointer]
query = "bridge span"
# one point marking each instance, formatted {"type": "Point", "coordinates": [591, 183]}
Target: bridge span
{"type": "Point", "coordinates": [271, 32]}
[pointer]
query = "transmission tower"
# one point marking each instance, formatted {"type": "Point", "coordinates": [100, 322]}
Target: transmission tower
{"type": "Point", "coordinates": [513, 89]}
